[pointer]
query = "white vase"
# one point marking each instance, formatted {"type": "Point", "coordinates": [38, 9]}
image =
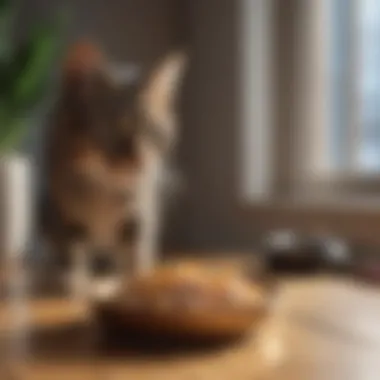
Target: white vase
{"type": "Point", "coordinates": [16, 211]}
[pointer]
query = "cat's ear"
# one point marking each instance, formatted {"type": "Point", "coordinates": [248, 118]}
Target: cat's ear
{"type": "Point", "coordinates": [159, 92]}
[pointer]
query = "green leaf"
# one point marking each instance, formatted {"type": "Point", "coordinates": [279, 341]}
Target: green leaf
{"type": "Point", "coordinates": [39, 59]}
{"type": "Point", "coordinates": [24, 77]}
{"type": "Point", "coordinates": [12, 134]}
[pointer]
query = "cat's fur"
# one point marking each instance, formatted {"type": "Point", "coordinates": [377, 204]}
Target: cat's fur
{"type": "Point", "coordinates": [106, 152]}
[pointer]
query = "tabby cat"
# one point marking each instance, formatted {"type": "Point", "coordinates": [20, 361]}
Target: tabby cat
{"type": "Point", "coordinates": [107, 149]}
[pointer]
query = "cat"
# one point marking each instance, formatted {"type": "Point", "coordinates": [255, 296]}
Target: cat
{"type": "Point", "coordinates": [106, 152]}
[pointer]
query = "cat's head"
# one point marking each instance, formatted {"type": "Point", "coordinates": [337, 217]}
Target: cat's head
{"type": "Point", "coordinates": [110, 131]}
{"type": "Point", "coordinates": [114, 114]}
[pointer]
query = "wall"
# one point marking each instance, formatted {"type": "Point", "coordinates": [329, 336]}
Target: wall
{"type": "Point", "coordinates": [209, 216]}
{"type": "Point", "coordinates": [212, 215]}
{"type": "Point", "coordinates": [137, 31]}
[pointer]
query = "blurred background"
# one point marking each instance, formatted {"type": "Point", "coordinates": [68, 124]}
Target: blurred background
{"type": "Point", "coordinates": [279, 115]}
{"type": "Point", "coordinates": [279, 150]}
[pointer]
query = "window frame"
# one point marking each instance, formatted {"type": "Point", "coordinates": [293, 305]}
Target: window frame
{"type": "Point", "coordinates": [283, 195]}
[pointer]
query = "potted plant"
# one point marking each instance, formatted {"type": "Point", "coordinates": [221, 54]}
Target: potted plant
{"type": "Point", "coordinates": [25, 78]}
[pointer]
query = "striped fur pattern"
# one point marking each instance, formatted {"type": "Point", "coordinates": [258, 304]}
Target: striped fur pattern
{"type": "Point", "coordinates": [107, 151]}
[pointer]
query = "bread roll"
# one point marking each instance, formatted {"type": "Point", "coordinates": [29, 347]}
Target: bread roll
{"type": "Point", "coordinates": [191, 287]}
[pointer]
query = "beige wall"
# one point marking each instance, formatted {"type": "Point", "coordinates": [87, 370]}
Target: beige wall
{"type": "Point", "coordinates": [133, 30]}
{"type": "Point", "coordinates": [209, 216]}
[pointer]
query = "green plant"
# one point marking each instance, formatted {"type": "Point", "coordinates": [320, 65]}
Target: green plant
{"type": "Point", "coordinates": [25, 69]}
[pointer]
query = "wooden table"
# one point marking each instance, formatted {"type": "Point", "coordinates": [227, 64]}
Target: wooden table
{"type": "Point", "coordinates": [322, 329]}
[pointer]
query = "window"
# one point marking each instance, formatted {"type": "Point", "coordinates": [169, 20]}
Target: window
{"type": "Point", "coordinates": [355, 79]}
{"type": "Point", "coordinates": [368, 154]}
{"type": "Point", "coordinates": [311, 111]}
